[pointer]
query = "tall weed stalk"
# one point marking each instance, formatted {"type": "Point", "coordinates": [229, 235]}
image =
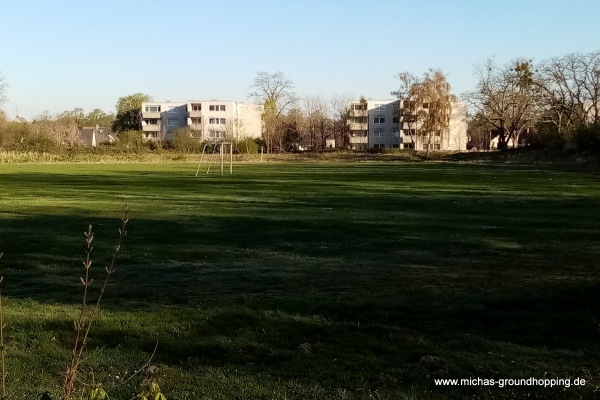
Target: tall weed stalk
{"type": "Point", "coordinates": [88, 313]}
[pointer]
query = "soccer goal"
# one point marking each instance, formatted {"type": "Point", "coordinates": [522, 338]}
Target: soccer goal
{"type": "Point", "coordinates": [210, 156]}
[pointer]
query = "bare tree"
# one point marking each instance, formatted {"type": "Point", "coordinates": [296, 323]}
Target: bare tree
{"type": "Point", "coordinates": [340, 116]}
{"type": "Point", "coordinates": [507, 97]}
{"type": "Point", "coordinates": [571, 90]}
{"type": "Point", "coordinates": [317, 123]}
{"type": "Point", "coordinates": [3, 87]}
{"type": "Point", "coordinates": [276, 93]}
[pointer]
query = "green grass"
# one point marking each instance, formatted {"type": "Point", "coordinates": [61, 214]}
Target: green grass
{"type": "Point", "coordinates": [374, 265]}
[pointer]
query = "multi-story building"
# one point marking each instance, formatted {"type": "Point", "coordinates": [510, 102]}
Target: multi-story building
{"type": "Point", "coordinates": [394, 124]}
{"type": "Point", "coordinates": [206, 120]}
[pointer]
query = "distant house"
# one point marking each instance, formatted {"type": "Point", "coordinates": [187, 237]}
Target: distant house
{"type": "Point", "coordinates": [20, 120]}
{"type": "Point", "coordinates": [91, 136]}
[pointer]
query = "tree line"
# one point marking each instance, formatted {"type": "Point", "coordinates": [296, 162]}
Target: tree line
{"type": "Point", "coordinates": [553, 103]}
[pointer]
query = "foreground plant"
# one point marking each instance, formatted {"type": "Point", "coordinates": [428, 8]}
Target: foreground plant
{"type": "Point", "coordinates": [2, 349]}
{"type": "Point", "coordinates": [88, 313]}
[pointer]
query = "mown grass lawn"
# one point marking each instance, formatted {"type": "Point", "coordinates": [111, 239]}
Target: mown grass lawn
{"type": "Point", "coordinates": [307, 281]}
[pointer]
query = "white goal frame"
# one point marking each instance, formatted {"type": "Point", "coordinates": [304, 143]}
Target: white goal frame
{"type": "Point", "coordinates": [222, 149]}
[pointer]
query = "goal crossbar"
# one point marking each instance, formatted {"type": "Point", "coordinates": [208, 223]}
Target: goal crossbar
{"type": "Point", "coordinates": [222, 146]}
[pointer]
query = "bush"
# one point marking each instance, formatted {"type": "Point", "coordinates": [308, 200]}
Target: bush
{"type": "Point", "coordinates": [587, 138]}
{"type": "Point", "coordinates": [261, 143]}
{"type": "Point", "coordinates": [246, 146]}
{"type": "Point", "coordinates": [183, 141]}
{"type": "Point", "coordinates": [12, 134]}
{"type": "Point", "coordinates": [130, 140]}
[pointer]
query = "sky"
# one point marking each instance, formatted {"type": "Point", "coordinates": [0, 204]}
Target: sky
{"type": "Point", "coordinates": [58, 55]}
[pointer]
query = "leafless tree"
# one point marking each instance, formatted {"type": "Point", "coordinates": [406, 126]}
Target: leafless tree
{"type": "Point", "coordinates": [340, 114]}
{"type": "Point", "coordinates": [3, 88]}
{"type": "Point", "coordinates": [571, 90]}
{"type": "Point", "coordinates": [507, 97]}
{"type": "Point", "coordinates": [316, 121]}
{"type": "Point", "coordinates": [276, 93]}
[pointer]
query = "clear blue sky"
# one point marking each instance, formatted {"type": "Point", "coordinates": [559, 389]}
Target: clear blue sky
{"type": "Point", "coordinates": [62, 54]}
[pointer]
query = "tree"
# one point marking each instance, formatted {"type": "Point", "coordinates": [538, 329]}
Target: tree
{"type": "Point", "coordinates": [570, 87]}
{"type": "Point", "coordinates": [479, 132]}
{"type": "Point", "coordinates": [290, 128]}
{"type": "Point", "coordinates": [276, 93]}
{"type": "Point", "coordinates": [129, 112]}
{"type": "Point", "coordinates": [341, 115]}
{"type": "Point", "coordinates": [76, 116]}
{"type": "Point", "coordinates": [408, 110]}
{"type": "Point", "coordinates": [316, 122]}
{"type": "Point", "coordinates": [99, 117]}
{"type": "Point", "coordinates": [507, 97]}
{"type": "Point", "coordinates": [428, 105]}
{"type": "Point", "coordinates": [3, 87]}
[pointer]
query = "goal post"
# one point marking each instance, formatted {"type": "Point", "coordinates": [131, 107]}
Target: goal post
{"type": "Point", "coordinates": [223, 147]}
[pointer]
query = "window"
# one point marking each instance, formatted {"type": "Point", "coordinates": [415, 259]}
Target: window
{"type": "Point", "coordinates": [172, 122]}
{"type": "Point", "coordinates": [196, 121]}
{"type": "Point", "coordinates": [425, 105]}
{"type": "Point", "coordinates": [211, 108]}
{"type": "Point", "coordinates": [437, 133]}
{"type": "Point", "coordinates": [216, 107]}
{"type": "Point", "coordinates": [216, 134]}
{"type": "Point", "coordinates": [379, 107]}
{"type": "Point", "coordinates": [216, 121]}
{"type": "Point", "coordinates": [408, 105]}
{"type": "Point", "coordinates": [396, 120]}
{"type": "Point", "coordinates": [396, 146]}
{"type": "Point", "coordinates": [410, 118]}
{"type": "Point", "coordinates": [379, 133]}
{"type": "Point", "coordinates": [379, 120]}
{"type": "Point", "coordinates": [396, 133]}
{"type": "Point", "coordinates": [151, 121]}
{"type": "Point", "coordinates": [196, 107]}
{"type": "Point", "coordinates": [379, 146]}
{"type": "Point", "coordinates": [171, 109]}
{"type": "Point", "coordinates": [222, 107]}
{"type": "Point", "coordinates": [152, 108]}
{"type": "Point", "coordinates": [358, 107]}
{"type": "Point", "coordinates": [360, 120]}
{"type": "Point", "coordinates": [409, 145]}
{"type": "Point", "coordinates": [437, 146]}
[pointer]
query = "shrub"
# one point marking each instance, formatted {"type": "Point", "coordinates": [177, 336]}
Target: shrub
{"type": "Point", "coordinates": [183, 141]}
{"type": "Point", "coordinates": [587, 138]}
{"type": "Point", "coordinates": [130, 140]}
{"type": "Point", "coordinates": [13, 133]}
{"type": "Point", "coordinates": [246, 146]}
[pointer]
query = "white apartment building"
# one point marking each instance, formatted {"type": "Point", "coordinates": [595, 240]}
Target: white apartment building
{"type": "Point", "coordinates": [207, 120]}
{"type": "Point", "coordinates": [393, 124]}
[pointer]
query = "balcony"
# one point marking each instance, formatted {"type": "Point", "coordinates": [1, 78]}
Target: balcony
{"type": "Point", "coordinates": [151, 128]}
{"type": "Point", "coordinates": [150, 115]}
{"type": "Point", "coordinates": [358, 113]}
{"type": "Point", "coordinates": [195, 127]}
{"type": "Point", "coordinates": [359, 139]}
{"type": "Point", "coordinates": [194, 114]}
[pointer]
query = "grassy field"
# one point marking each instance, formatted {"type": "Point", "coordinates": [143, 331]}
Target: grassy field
{"type": "Point", "coordinates": [307, 281]}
